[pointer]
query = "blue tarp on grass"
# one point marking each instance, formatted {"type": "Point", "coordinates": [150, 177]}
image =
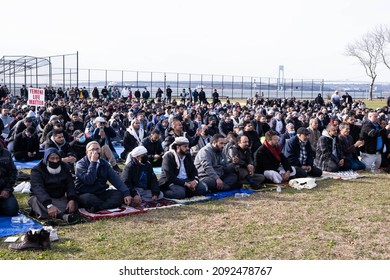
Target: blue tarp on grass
{"type": "Point", "coordinates": [219, 195]}
{"type": "Point", "coordinates": [16, 225]}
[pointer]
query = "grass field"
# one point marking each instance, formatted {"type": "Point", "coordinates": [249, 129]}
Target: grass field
{"type": "Point", "coordinates": [336, 220]}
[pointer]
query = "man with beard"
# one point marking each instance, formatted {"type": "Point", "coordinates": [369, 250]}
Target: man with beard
{"type": "Point", "coordinates": [254, 138]}
{"type": "Point", "coordinates": [139, 177]}
{"type": "Point", "coordinates": [204, 139]}
{"type": "Point", "coordinates": [57, 140]}
{"type": "Point", "coordinates": [20, 126]}
{"type": "Point", "coordinates": [277, 124]}
{"type": "Point", "coordinates": [225, 125]}
{"type": "Point", "coordinates": [373, 135]}
{"type": "Point", "coordinates": [354, 130]}
{"type": "Point", "coordinates": [329, 156]}
{"type": "Point", "coordinates": [26, 146]}
{"type": "Point", "coordinates": [7, 120]}
{"type": "Point", "coordinates": [270, 161]}
{"type": "Point", "coordinates": [245, 167]}
{"type": "Point", "coordinates": [61, 110]}
{"type": "Point", "coordinates": [214, 169]}
{"type": "Point", "coordinates": [349, 148]}
{"type": "Point", "coordinates": [179, 176]}
{"type": "Point", "coordinates": [134, 136]}
{"type": "Point", "coordinates": [176, 130]}
{"type": "Point", "coordinates": [92, 174]}
{"type": "Point", "coordinates": [52, 189]}
{"type": "Point", "coordinates": [300, 154]}
{"type": "Point", "coordinates": [314, 135]}
{"type": "Point", "coordinates": [153, 145]}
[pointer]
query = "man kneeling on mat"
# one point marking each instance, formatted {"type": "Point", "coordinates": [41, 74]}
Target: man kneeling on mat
{"type": "Point", "coordinates": [139, 177]}
{"type": "Point", "coordinates": [179, 176]}
{"type": "Point", "coordinates": [92, 174]}
{"type": "Point", "coordinates": [52, 188]}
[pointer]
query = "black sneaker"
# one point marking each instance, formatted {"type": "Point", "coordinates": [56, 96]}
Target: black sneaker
{"type": "Point", "coordinates": [117, 169]}
{"type": "Point", "coordinates": [77, 219]}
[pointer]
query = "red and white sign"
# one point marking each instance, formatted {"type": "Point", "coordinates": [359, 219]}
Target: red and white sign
{"type": "Point", "coordinates": [36, 97]}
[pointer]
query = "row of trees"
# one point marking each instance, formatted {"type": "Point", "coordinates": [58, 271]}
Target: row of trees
{"type": "Point", "coordinates": [372, 49]}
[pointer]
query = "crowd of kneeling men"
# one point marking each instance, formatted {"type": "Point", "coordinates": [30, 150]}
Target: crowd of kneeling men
{"type": "Point", "coordinates": [233, 147]}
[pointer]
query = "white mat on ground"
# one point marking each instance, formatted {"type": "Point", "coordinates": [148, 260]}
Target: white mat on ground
{"type": "Point", "coordinates": [343, 175]}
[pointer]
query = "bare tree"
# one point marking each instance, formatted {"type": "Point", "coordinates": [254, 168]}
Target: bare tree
{"type": "Point", "coordinates": [382, 38]}
{"type": "Point", "coordinates": [368, 52]}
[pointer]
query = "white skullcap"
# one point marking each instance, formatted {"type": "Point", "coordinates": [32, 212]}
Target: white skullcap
{"type": "Point", "coordinates": [140, 150]}
{"type": "Point", "coordinates": [180, 141]}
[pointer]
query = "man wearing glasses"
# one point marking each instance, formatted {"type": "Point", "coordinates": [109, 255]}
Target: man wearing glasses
{"type": "Point", "coordinates": [92, 174]}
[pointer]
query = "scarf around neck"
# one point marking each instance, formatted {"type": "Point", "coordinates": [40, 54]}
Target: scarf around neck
{"type": "Point", "coordinates": [276, 151]}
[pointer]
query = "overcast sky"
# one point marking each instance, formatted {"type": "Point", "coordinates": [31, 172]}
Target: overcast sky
{"type": "Point", "coordinates": [242, 37]}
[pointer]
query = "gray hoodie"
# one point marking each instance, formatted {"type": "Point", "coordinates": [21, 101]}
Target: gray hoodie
{"type": "Point", "coordinates": [211, 163]}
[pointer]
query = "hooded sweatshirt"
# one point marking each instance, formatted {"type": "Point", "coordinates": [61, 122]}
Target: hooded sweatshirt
{"type": "Point", "coordinates": [46, 186]}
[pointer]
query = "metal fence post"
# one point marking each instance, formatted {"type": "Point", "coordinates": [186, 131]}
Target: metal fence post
{"type": "Point", "coordinates": [151, 84]}
{"type": "Point", "coordinates": [242, 87]}
{"type": "Point", "coordinates": [89, 80]}
{"type": "Point", "coordinates": [63, 72]}
{"type": "Point", "coordinates": [251, 87]}
{"type": "Point", "coordinates": [122, 79]}
{"type": "Point", "coordinates": [232, 86]}
{"type": "Point", "coordinates": [36, 72]}
{"type": "Point", "coordinates": [77, 68]}
{"type": "Point", "coordinates": [14, 80]}
{"type": "Point", "coordinates": [222, 85]}
{"type": "Point", "coordinates": [177, 85]}
{"type": "Point", "coordinates": [165, 84]}
{"type": "Point", "coordinates": [269, 85]}
{"type": "Point", "coordinates": [212, 84]}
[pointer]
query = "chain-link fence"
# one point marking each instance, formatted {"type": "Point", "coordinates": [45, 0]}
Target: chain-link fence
{"type": "Point", "coordinates": [63, 71]}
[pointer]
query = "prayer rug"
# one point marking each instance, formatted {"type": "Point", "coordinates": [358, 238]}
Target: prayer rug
{"type": "Point", "coordinates": [343, 175]}
{"type": "Point", "coordinates": [190, 200]}
{"type": "Point", "coordinates": [111, 213]}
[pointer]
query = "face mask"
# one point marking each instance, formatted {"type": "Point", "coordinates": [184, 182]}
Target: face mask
{"type": "Point", "coordinates": [292, 133]}
{"type": "Point", "coordinates": [144, 159]}
{"type": "Point", "coordinates": [82, 139]}
{"type": "Point", "coordinates": [54, 165]}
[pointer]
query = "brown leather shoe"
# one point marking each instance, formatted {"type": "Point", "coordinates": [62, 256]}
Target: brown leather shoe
{"type": "Point", "coordinates": [30, 242]}
{"type": "Point", "coordinates": [44, 239]}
